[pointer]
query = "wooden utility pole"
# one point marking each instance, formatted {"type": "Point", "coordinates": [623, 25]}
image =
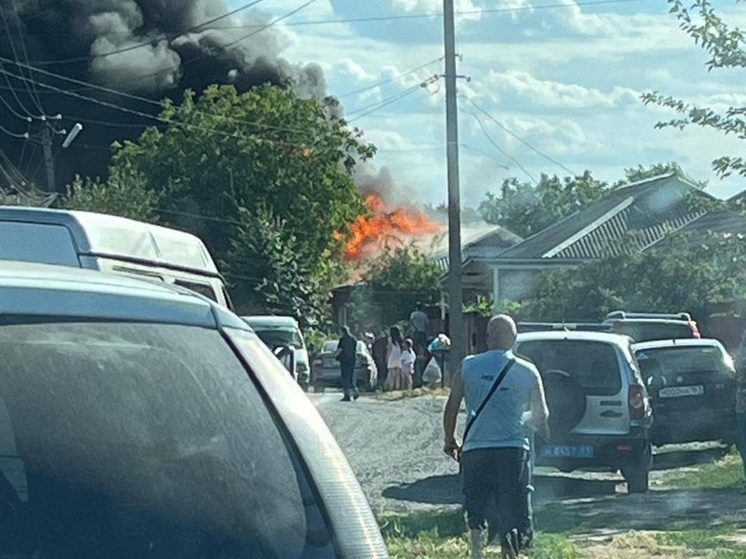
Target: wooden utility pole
{"type": "Point", "coordinates": [456, 296]}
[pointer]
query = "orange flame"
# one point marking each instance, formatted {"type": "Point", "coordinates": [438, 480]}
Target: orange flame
{"type": "Point", "coordinates": [370, 233]}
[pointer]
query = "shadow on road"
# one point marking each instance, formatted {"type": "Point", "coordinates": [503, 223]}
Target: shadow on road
{"type": "Point", "coordinates": [446, 489]}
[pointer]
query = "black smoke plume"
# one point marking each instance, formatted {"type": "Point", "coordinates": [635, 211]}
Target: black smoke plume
{"type": "Point", "coordinates": [134, 46]}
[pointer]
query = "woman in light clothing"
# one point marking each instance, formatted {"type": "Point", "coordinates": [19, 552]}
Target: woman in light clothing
{"type": "Point", "coordinates": [407, 364]}
{"type": "Point", "coordinates": [396, 345]}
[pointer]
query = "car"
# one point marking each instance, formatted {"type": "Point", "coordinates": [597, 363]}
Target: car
{"type": "Point", "coordinates": [643, 327]}
{"type": "Point", "coordinates": [283, 331]}
{"type": "Point", "coordinates": [141, 419]}
{"type": "Point", "coordinates": [111, 244]}
{"type": "Point", "coordinates": [600, 415]}
{"type": "Point", "coordinates": [327, 372]}
{"type": "Point", "coordinates": [692, 388]}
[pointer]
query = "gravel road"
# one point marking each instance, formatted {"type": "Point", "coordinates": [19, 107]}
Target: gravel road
{"type": "Point", "coordinates": [395, 448]}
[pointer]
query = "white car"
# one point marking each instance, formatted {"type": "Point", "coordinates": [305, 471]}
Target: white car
{"type": "Point", "coordinates": [283, 331]}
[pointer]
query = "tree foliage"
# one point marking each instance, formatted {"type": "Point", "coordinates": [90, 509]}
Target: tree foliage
{"type": "Point", "coordinates": [400, 278]}
{"type": "Point", "coordinates": [263, 177]}
{"type": "Point", "coordinates": [726, 47]}
{"type": "Point", "coordinates": [679, 276]}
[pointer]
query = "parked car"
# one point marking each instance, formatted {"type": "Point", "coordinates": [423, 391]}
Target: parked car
{"type": "Point", "coordinates": [600, 415]}
{"type": "Point", "coordinates": [141, 420]}
{"type": "Point", "coordinates": [692, 390]}
{"type": "Point", "coordinates": [110, 244]}
{"type": "Point", "coordinates": [327, 372]}
{"type": "Point", "coordinates": [643, 327]}
{"type": "Point", "coordinates": [283, 331]}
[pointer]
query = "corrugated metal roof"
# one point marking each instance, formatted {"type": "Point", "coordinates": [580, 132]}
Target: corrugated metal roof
{"type": "Point", "coordinates": [657, 205]}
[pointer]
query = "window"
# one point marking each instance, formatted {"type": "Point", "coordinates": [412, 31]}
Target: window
{"type": "Point", "coordinates": [201, 288]}
{"type": "Point", "coordinates": [593, 364]}
{"type": "Point", "coordinates": [275, 338]}
{"type": "Point", "coordinates": [679, 360]}
{"type": "Point", "coordinates": [134, 440]}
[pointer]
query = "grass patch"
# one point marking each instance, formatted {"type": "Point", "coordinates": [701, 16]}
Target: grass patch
{"type": "Point", "coordinates": [711, 543]}
{"type": "Point", "coordinates": [441, 535]}
{"type": "Point", "coordinates": [725, 473]}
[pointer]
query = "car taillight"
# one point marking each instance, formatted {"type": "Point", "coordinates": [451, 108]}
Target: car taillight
{"type": "Point", "coordinates": [636, 401]}
{"type": "Point", "coordinates": [695, 329]}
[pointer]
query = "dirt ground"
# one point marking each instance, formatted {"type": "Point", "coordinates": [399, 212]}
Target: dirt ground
{"type": "Point", "coordinates": [394, 446]}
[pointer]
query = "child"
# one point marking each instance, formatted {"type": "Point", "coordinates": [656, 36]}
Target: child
{"type": "Point", "coordinates": [407, 363]}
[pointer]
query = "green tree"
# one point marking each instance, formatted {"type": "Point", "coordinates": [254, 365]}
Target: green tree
{"type": "Point", "coordinates": [397, 280]}
{"type": "Point", "coordinates": [124, 194]}
{"type": "Point", "coordinates": [725, 46]}
{"type": "Point", "coordinates": [286, 160]}
{"type": "Point", "coordinates": [525, 209]}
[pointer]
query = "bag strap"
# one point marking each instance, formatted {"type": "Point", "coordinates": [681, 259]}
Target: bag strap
{"type": "Point", "coordinates": [482, 405]}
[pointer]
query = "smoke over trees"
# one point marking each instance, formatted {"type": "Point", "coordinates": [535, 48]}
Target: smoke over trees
{"type": "Point", "coordinates": [149, 48]}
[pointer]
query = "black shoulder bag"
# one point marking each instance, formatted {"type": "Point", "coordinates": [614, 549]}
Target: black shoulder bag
{"type": "Point", "coordinates": [483, 403]}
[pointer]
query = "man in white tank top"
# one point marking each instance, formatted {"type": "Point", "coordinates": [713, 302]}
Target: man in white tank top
{"type": "Point", "coordinates": [495, 456]}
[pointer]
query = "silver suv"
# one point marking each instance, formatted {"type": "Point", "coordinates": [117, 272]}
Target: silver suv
{"type": "Point", "coordinates": [600, 415]}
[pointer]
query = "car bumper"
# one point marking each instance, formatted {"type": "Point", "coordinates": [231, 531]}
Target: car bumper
{"type": "Point", "coordinates": [333, 377]}
{"type": "Point", "coordinates": [613, 452]}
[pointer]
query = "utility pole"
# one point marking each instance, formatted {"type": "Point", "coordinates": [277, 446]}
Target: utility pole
{"type": "Point", "coordinates": [46, 142]}
{"type": "Point", "coordinates": [456, 295]}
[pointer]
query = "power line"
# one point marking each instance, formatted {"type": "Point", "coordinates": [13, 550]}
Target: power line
{"type": "Point", "coordinates": [517, 137]}
{"type": "Point", "coordinates": [15, 56]}
{"type": "Point", "coordinates": [501, 150]}
{"type": "Point", "coordinates": [35, 98]}
{"type": "Point", "coordinates": [149, 43]}
{"type": "Point", "coordinates": [389, 80]}
{"type": "Point", "coordinates": [391, 100]}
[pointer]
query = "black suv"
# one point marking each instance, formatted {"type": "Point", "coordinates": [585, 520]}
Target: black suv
{"type": "Point", "coordinates": [643, 327]}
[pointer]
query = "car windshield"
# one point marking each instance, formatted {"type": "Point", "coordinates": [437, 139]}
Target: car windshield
{"type": "Point", "coordinates": [593, 364]}
{"type": "Point", "coordinates": [676, 360]}
{"type": "Point", "coordinates": [277, 338]}
{"type": "Point", "coordinates": [133, 440]}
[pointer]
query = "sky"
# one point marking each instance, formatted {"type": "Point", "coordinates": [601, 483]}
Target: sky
{"type": "Point", "coordinates": [546, 86]}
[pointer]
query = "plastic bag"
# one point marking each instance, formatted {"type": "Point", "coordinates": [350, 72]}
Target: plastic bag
{"type": "Point", "coordinates": [432, 373]}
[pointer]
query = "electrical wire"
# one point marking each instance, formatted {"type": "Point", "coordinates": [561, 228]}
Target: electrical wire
{"type": "Point", "coordinates": [150, 42]}
{"type": "Point", "coordinates": [35, 98]}
{"type": "Point", "coordinates": [501, 150]}
{"type": "Point", "coordinates": [375, 107]}
{"type": "Point", "coordinates": [517, 137]}
{"type": "Point", "coordinates": [17, 60]}
{"type": "Point", "coordinates": [389, 80]}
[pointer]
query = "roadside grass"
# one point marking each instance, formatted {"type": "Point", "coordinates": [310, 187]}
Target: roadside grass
{"type": "Point", "coordinates": [443, 535]}
{"type": "Point", "coordinates": [713, 543]}
{"type": "Point", "coordinates": [725, 473]}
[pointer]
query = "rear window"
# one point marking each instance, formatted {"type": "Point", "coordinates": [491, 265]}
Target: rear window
{"type": "Point", "coordinates": [649, 331]}
{"type": "Point", "coordinates": [278, 338]}
{"type": "Point", "coordinates": [201, 288]}
{"type": "Point", "coordinates": [675, 360]}
{"type": "Point", "coordinates": [34, 242]}
{"type": "Point", "coordinates": [133, 440]}
{"type": "Point", "coordinates": [593, 364]}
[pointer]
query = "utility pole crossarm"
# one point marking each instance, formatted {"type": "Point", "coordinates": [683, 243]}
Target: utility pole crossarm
{"type": "Point", "coordinates": [456, 319]}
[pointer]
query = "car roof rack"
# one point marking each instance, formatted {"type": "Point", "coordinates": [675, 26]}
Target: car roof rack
{"type": "Point", "coordinates": [565, 326]}
{"type": "Point", "coordinates": [668, 316]}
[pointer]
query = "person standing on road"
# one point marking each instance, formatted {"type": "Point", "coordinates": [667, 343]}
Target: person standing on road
{"type": "Point", "coordinates": [380, 357]}
{"type": "Point", "coordinates": [407, 364]}
{"type": "Point", "coordinates": [419, 320]}
{"type": "Point", "coordinates": [396, 345]}
{"type": "Point", "coordinates": [504, 402]}
{"type": "Point", "coordinates": [740, 365]}
{"type": "Point", "coordinates": [346, 354]}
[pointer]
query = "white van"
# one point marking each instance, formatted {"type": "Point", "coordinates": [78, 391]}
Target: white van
{"type": "Point", "coordinates": [112, 244]}
{"type": "Point", "coordinates": [283, 331]}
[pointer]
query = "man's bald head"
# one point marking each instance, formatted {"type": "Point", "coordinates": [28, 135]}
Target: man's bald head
{"type": "Point", "coordinates": [501, 332]}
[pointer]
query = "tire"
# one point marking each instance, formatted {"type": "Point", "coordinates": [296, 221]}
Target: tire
{"type": "Point", "coordinates": [566, 401]}
{"type": "Point", "coordinates": [637, 474]}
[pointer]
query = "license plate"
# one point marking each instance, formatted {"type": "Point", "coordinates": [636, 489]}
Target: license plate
{"type": "Point", "coordinates": [562, 451]}
{"type": "Point", "coordinates": [329, 363]}
{"type": "Point", "coordinates": [679, 391]}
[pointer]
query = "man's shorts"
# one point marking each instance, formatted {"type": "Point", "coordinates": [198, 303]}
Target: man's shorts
{"type": "Point", "coordinates": [496, 487]}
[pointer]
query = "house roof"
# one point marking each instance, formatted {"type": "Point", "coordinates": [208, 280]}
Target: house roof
{"type": "Point", "coordinates": [487, 241]}
{"type": "Point", "coordinates": [714, 221]}
{"type": "Point", "coordinates": [650, 208]}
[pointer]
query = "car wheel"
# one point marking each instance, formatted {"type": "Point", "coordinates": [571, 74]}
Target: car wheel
{"type": "Point", "coordinates": [637, 474]}
{"type": "Point", "coordinates": [566, 401]}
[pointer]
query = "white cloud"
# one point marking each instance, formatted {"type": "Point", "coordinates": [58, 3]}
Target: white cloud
{"type": "Point", "coordinates": [466, 10]}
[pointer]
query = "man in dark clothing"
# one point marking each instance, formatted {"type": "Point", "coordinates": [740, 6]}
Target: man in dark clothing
{"type": "Point", "coordinates": [346, 354]}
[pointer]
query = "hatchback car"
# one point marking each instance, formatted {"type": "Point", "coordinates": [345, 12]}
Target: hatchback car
{"type": "Point", "coordinates": [599, 411]}
{"type": "Point", "coordinates": [283, 331]}
{"type": "Point", "coordinates": [327, 372]}
{"type": "Point", "coordinates": [692, 389]}
{"type": "Point", "coordinates": [142, 420]}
